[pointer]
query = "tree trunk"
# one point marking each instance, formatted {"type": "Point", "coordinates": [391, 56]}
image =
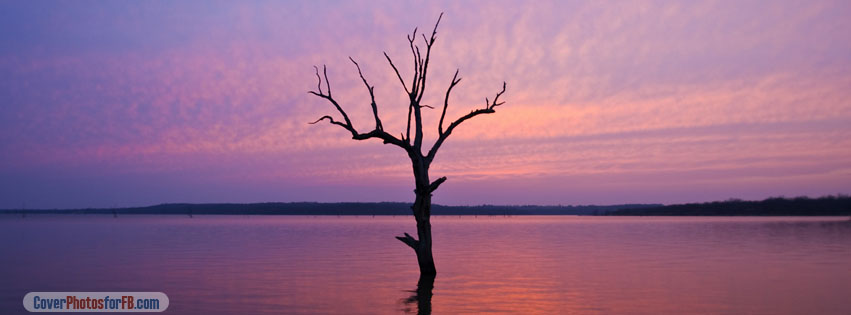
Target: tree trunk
{"type": "Point", "coordinates": [422, 213]}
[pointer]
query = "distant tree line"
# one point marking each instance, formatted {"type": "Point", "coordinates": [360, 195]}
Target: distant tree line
{"type": "Point", "coordinates": [778, 206]}
{"type": "Point", "coordinates": [839, 205]}
{"type": "Point", "coordinates": [341, 208]}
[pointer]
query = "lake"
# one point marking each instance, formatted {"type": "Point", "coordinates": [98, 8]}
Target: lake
{"type": "Point", "coordinates": [520, 264]}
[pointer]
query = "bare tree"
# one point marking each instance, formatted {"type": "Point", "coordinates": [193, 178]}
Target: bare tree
{"type": "Point", "coordinates": [420, 162]}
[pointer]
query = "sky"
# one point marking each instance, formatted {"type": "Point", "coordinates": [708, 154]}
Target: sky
{"type": "Point", "coordinates": [133, 103]}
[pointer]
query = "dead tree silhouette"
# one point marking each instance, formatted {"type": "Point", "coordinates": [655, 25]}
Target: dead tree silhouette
{"type": "Point", "coordinates": [420, 162]}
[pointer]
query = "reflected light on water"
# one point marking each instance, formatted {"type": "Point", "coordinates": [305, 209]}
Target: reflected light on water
{"type": "Point", "coordinates": [531, 264]}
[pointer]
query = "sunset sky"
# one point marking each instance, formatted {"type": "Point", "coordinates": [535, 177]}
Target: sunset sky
{"type": "Point", "coordinates": [131, 103]}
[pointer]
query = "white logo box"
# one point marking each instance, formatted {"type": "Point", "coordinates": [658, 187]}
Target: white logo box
{"type": "Point", "coordinates": [64, 302]}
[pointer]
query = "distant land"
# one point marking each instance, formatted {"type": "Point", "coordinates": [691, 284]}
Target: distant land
{"type": "Point", "coordinates": [800, 206]}
{"type": "Point", "coordinates": [337, 208]}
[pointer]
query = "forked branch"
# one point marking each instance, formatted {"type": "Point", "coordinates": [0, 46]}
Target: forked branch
{"type": "Point", "coordinates": [410, 240]}
{"type": "Point", "coordinates": [377, 133]}
{"type": "Point", "coordinates": [418, 83]}
{"type": "Point", "coordinates": [489, 108]}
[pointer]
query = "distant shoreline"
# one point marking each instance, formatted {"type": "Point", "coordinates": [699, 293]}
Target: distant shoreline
{"type": "Point", "coordinates": [800, 206]}
{"type": "Point", "coordinates": [333, 209]}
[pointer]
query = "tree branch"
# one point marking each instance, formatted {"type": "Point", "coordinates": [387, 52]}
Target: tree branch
{"type": "Point", "coordinates": [433, 186]}
{"type": "Point", "coordinates": [327, 95]}
{"type": "Point", "coordinates": [318, 78]}
{"type": "Point", "coordinates": [455, 81]}
{"type": "Point", "coordinates": [424, 64]}
{"type": "Point", "coordinates": [371, 96]}
{"type": "Point", "coordinates": [409, 240]}
{"type": "Point", "coordinates": [489, 108]}
{"type": "Point", "coordinates": [496, 98]}
{"type": "Point", "coordinates": [397, 73]}
{"type": "Point", "coordinates": [331, 120]}
{"type": "Point", "coordinates": [416, 78]}
{"type": "Point", "coordinates": [377, 133]}
{"type": "Point", "coordinates": [327, 83]}
{"type": "Point", "coordinates": [386, 137]}
{"type": "Point", "coordinates": [415, 94]}
{"type": "Point", "coordinates": [419, 83]}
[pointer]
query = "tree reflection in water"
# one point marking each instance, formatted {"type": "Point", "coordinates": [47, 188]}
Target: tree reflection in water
{"type": "Point", "coordinates": [421, 296]}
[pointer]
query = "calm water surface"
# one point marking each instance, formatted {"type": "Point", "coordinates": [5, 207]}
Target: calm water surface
{"type": "Point", "coordinates": [528, 264]}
